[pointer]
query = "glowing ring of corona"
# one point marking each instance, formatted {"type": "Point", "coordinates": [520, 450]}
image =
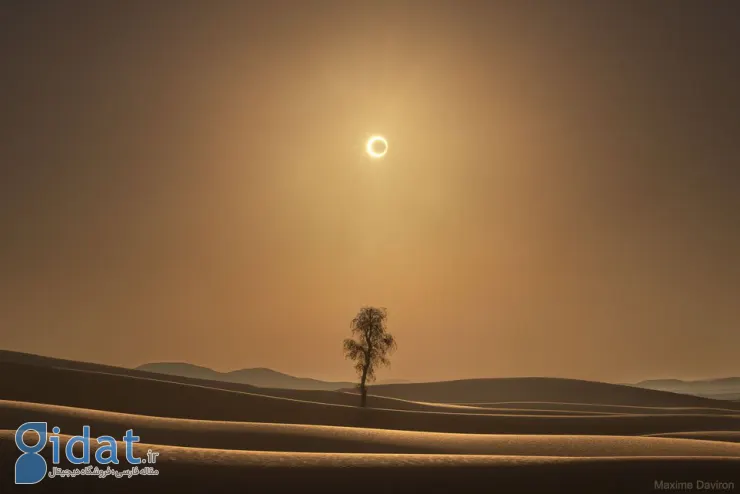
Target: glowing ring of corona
{"type": "Point", "coordinates": [372, 141]}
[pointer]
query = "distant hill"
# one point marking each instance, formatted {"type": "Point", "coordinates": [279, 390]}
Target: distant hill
{"type": "Point", "coordinates": [186, 372]}
{"type": "Point", "coordinates": [259, 376]}
{"type": "Point", "coordinates": [727, 388]}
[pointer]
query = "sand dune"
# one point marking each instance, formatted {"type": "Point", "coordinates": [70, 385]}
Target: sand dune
{"type": "Point", "coordinates": [725, 386]}
{"type": "Point", "coordinates": [166, 399]}
{"type": "Point", "coordinates": [221, 437]}
{"type": "Point", "coordinates": [10, 357]}
{"type": "Point", "coordinates": [210, 470]}
{"type": "Point", "coordinates": [352, 399]}
{"type": "Point", "coordinates": [320, 396]}
{"type": "Point", "coordinates": [729, 436]}
{"type": "Point", "coordinates": [595, 408]}
{"type": "Point", "coordinates": [461, 391]}
{"type": "Point", "coordinates": [329, 439]}
{"type": "Point", "coordinates": [523, 389]}
{"type": "Point", "coordinates": [347, 397]}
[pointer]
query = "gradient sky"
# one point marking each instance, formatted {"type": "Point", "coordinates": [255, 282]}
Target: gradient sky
{"type": "Point", "coordinates": [186, 181]}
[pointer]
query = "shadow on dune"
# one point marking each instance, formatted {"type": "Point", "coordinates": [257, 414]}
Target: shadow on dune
{"type": "Point", "coordinates": [214, 471]}
{"type": "Point", "coordinates": [595, 408]}
{"type": "Point", "coordinates": [11, 360]}
{"type": "Point", "coordinates": [522, 389]}
{"type": "Point", "coordinates": [166, 399]}
{"type": "Point", "coordinates": [477, 391]}
{"type": "Point", "coordinates": [329, 439]}
{"type": "Point", "coordinates": [727, 436]}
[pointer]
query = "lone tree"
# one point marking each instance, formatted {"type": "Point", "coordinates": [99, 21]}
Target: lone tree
{"type": "Point", "coordinates": [370, 345]}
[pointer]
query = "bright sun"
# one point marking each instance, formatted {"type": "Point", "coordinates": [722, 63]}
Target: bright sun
{"type": "Point", "coordinates": [377, 146]}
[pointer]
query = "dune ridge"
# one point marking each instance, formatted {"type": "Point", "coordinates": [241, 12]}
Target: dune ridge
{"type": "Point", "coordinates": [225, 437]}
{"type": "Point", "coordinates": [333, 439]}
{"type": "Point", "coordinates": [209, 470]}
{"type": "Point", "coordinates": [729, 436]}
{"type": "Point", "coordinates": [167, 399]}
{"type": "Point", "coordinates": [596, 408]}
{"type": "Point", "coordinates": [523, 389]}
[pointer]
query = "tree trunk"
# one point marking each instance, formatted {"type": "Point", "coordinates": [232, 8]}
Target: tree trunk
{"type": "Point", "coordinates": [363, 388]}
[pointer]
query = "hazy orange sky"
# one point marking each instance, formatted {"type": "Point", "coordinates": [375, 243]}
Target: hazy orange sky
{"type": "Point", "coordinates": [186, 181]}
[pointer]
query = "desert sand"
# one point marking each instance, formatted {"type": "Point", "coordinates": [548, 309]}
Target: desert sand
{"type": "Point", "coordinates": [332, 439]}
{"type": "Point", "coordinates": [491, 436]}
